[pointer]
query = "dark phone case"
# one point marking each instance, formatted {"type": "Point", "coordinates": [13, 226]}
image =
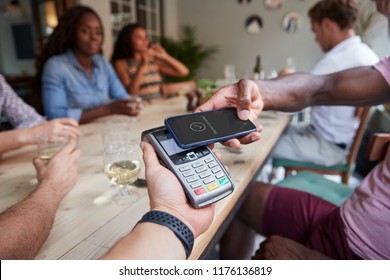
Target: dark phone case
{"type": "Point", "coordinates": [208, 141]}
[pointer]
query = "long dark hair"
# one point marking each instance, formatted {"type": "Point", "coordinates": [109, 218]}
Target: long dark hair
{"type": "Point", "coordinates": [64, 35]}
{"type": "Point", "coordinates": [123, 47]}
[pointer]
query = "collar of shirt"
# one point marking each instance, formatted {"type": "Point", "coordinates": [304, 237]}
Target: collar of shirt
{"type": "Point", "coordinates": [73, 60]}
{"type": "Point", "coordinates": [354, 40]}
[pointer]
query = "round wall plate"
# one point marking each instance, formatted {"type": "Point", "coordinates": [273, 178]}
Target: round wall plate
{"type": "Point", "coordinates": [273, 4]}
{"type": "Point", "coordinates": [244, 2]}
{"type": "Point", "coordinates": [254, 24]}
{"type": "Point", "coordinates": [292, 22]}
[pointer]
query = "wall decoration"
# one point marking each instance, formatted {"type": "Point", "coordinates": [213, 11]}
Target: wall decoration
{"type": "Point", "coordinates": [273, 4]}
{"type": "Point", "coordinates": [292, 22]}
{"type": "Point", "coordinates": [254, 24]}
{"type": "Point", "coordinates": [244, 2]}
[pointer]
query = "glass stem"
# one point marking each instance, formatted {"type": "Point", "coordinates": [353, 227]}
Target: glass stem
{"type": "Point", "coordinates": [124, 191]}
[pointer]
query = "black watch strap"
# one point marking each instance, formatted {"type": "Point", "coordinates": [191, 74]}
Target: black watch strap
{"type": "Point", "coordinates": [181, 230]}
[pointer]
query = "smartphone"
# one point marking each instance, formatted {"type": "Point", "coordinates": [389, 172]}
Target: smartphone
{"type": "Point", "coordinates": [203, 128]}
{"type": "Point", "coordinates": [202, 176]}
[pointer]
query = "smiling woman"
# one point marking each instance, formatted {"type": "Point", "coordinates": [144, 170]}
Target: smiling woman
{"type": "Point", "coordinates": [88, 39]}
{"type": "Point", "coordinates": [76, 79]}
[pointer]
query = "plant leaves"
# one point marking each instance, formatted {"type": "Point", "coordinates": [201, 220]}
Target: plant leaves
{"type": "Point", "coordinates": [189, 51]}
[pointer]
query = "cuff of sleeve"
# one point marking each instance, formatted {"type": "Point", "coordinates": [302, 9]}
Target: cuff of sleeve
{"type": "Point", "coordinates": [75, 113]}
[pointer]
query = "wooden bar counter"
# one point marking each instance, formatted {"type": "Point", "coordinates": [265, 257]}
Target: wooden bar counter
{"type": "Point", "coordinates": [87, 224]}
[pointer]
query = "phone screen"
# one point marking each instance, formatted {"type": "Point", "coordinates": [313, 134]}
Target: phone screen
{"type": "Point", "coordinates": [208, 127]}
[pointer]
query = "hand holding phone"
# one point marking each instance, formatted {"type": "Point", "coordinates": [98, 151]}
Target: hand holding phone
{"type": "Point", "coordinates": [203, 128]}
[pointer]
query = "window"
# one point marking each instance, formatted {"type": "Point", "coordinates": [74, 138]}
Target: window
{"type": "Point", "coordinates": [123, 12]}
{"type": "Point", "coordinates": [147, 13]}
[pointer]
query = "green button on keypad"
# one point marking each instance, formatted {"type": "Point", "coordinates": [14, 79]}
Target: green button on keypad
{"type": "Point", "coordinates": [223, 181]}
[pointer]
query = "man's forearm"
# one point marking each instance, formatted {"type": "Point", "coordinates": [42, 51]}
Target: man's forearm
{"type": "Point", "coordinates": [25, 226]}
{"type": "Point", "coordinates": [290, 93]}
{"type": "Point", "coordinates": [148, 241]}
{"type": "Point", "coordinates": [362, 86]}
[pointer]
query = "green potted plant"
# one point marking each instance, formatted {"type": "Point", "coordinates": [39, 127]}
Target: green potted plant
{"type": "Point", "coordinates": [194, 55]}
{"type": "Point", "coordinates": [189, 51]}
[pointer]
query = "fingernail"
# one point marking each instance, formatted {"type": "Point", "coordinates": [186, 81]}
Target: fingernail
{"type": "Point", "coordinates": [243, 114]}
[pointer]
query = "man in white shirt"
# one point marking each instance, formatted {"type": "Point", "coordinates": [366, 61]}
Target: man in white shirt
{"type": "Point", "coordinates": [326, 140]}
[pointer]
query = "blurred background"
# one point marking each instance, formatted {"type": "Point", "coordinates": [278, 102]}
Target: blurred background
{"type": "Point", "coordinates": [218, 24]}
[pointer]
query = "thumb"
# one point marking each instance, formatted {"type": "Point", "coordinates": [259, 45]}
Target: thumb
{"type": "Point", "coordinates": [149, 155]}
{"type": "Point", "coordinates": [38, 163]}
{"type": "Point", "coordinates": [244, 98]}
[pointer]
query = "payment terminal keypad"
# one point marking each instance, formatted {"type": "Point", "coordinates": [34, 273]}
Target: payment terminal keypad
{"type": "Point", "coordinates": [202, 172]}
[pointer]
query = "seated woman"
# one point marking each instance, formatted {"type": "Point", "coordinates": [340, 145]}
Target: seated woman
{"type": "Point", "coordinates": [76, 79]}
{"type": "Point", "coordinates": [139, 63]}
{"type": "Point", "coordinates": [28, 124]}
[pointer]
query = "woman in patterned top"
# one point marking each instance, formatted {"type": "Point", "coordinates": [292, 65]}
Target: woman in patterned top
{"type": "Point", "coordinates": [139, 63]}
{"type": "Point", "coordinates": [28, 123]}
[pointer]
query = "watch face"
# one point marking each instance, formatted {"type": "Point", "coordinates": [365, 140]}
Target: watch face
{"type": "Point", "coordinates": [273, 4]}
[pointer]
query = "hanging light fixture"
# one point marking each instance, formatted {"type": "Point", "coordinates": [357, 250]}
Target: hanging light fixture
{"type": "Point", "coordinates": [50, 14]}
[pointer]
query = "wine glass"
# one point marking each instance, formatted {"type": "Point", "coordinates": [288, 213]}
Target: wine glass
{"type": "Point", "coordinates": [122, 165]}
{"type": "Point", "coordinates": [116, 132]}
{"type": "Point", "coordinates": [49, 145]}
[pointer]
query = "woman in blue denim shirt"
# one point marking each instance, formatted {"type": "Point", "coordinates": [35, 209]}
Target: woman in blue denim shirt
{"type": "Point", "coordinates": [77, 81]}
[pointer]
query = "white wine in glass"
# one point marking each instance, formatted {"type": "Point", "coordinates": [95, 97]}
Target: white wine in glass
{"type": "Point", "coordinates": [123, 172]}
{"type": "Point", "coordinates": [122, 165]}
{"type": "Point", "coordinates": [47, 155]}
{"type": "Point", "coordinates": [49, 145]}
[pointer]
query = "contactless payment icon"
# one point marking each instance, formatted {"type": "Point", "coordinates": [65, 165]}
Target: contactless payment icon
{"type": "Point", "coordinates": [197, 126]}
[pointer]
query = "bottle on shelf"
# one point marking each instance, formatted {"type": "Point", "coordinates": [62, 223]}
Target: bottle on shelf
{"type": "Point", "coordinates": [258, 71]}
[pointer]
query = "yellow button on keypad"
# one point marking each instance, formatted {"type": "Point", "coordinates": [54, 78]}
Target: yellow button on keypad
{"type": "Point", "coordinates": [212, 186]}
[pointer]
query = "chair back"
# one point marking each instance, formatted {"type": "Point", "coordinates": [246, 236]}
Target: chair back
{"type": "Point", "coordinates": [344, 169]}
{"type": "Point", "coordinates": [363, 114]}
{"type": "Point", "coordinates": [377, 146]}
